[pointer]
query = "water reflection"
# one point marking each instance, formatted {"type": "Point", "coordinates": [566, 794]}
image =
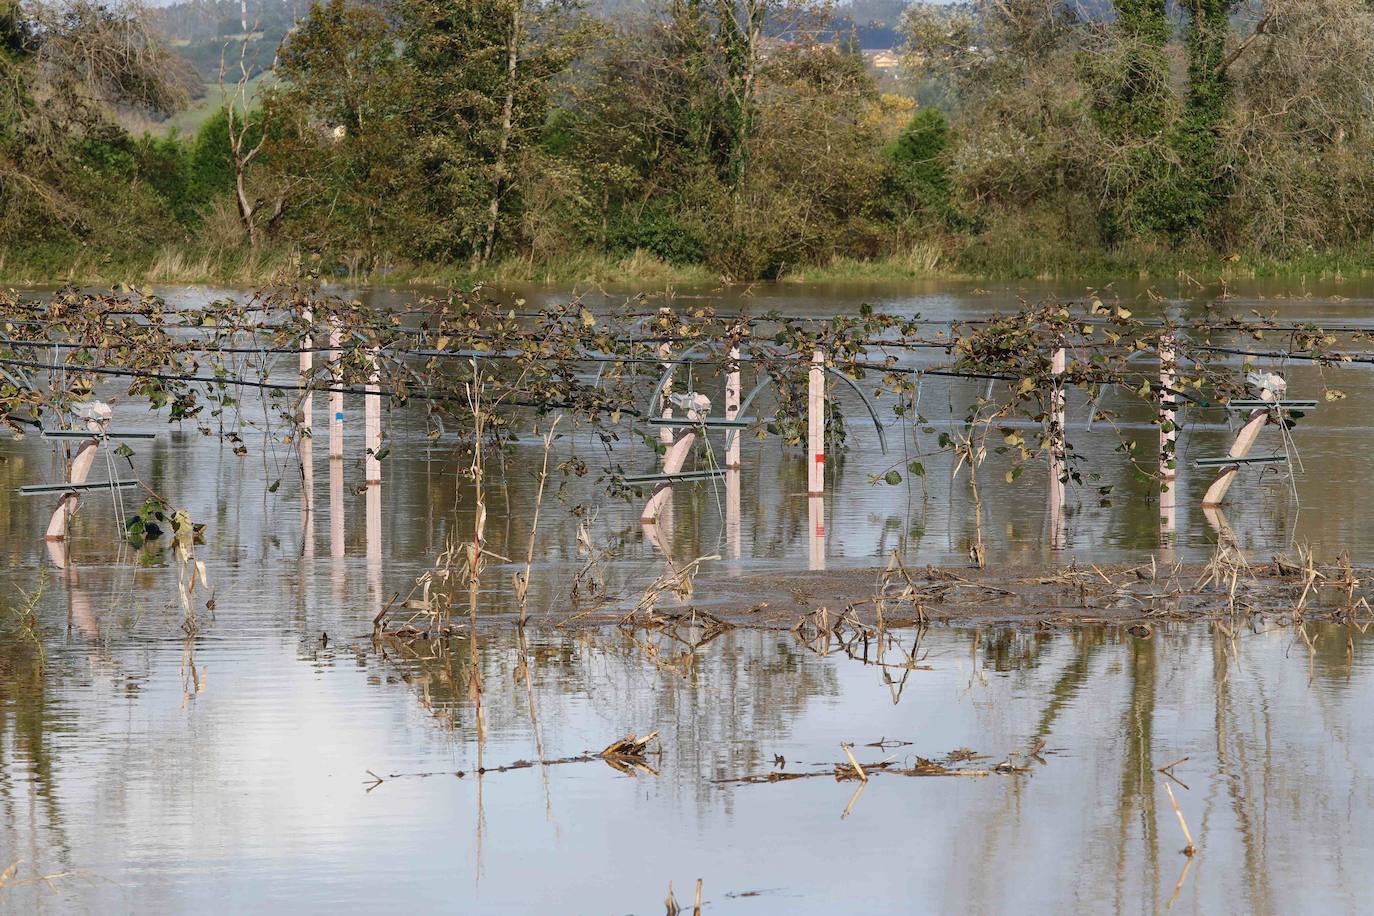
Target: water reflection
{"type": "Point", "coordinates": [108, 774]}
{"type": "Point", "coordinates": [815, 524]}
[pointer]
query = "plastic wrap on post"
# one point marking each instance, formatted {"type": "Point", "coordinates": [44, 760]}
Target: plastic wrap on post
{"type": "Point", "coordinates": [1271, 388]}
{"type": "Point", "coordinates": [97, 422]}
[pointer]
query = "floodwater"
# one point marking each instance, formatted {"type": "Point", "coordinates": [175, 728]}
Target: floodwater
{"type": "Point", "coordinates": [141, 770]}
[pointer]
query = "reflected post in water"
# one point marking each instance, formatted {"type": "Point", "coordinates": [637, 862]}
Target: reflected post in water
{"type": "Point", "coordinates": [336, 509]}
{"type": "Point", "coordinates": [79, 611]}
{"type": "Point", "coordinates": [815, 523]}
{"type": "Point", "coordinates": [732, 500]}
{"type": "Point", "coordinates": [307, 451]}
{"type": "Point", "coordinates": [374, 545]}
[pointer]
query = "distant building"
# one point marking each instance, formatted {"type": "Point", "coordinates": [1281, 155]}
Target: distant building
{"type": "Point", "coordinates": [882, 58]}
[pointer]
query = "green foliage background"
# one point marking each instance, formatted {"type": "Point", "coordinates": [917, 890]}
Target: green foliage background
{"type": "Point", "coordinates": [463, 135]}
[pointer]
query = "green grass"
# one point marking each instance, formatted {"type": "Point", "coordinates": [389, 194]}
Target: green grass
{"type": "Point", "coordinates": [240, 266]}
{"type": "Point", "coordinates": [950, 259]}
{"type": "Point", "coordinates": [186, 123]}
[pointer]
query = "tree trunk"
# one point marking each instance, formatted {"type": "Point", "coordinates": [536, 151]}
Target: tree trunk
{"type": "Point", "coordinates": [503, 146]}
{"type": "Point", "coordinates": [245, 208]}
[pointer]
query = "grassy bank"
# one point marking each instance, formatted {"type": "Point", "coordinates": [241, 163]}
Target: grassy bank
{"type": "Point", "coordinates": [953, 260]}
{"type": "Point", "coordinates": [242, 267]}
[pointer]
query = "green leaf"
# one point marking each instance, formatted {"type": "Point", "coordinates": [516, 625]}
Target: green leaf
{"type": "Point", "coordinates": [893, 478]}
{"type": "Point", "coordinates": [272, 487]}
{"type": "Point", "coordinates": [916, 469]}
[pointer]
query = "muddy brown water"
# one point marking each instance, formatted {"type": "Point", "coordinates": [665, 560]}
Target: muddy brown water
{"type": "Point", "coordinates": [144, 771]}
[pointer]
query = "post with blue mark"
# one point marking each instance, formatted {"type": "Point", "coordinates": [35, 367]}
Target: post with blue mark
{"type": "Point", "coordinates": [336, 398]}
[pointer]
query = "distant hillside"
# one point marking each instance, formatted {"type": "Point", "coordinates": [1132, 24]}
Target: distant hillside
{"type": "Point", "coordinates": [202, 31]}
{"type": "Point", "coordinates": [874, 22]}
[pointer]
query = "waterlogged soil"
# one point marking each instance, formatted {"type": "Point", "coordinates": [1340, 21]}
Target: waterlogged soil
{"type": "Point", "coordinates": [813, 749]}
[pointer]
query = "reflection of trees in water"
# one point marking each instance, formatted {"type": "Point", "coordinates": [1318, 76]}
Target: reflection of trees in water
{"type": "Point", "coordinates": [21, 514]}
{"type": "Point", "coordinates": [1237, 771]}
{"type": "Point", "coordinates": [32, 830]}
{"type": "Point", "coordinates": [1136, 799]}
{"type": "Point", "coordinates": [1338, 651]}
{"type": "Point", "coordinates": [740, 694]}
{"type": "Point", "coordinates": [1276, 790]}
{"type": "Point", "coordinates": [1063, 669]}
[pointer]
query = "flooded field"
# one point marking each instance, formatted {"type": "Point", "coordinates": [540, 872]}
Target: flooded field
{"type": "Point", "coordinates": [280, 759]}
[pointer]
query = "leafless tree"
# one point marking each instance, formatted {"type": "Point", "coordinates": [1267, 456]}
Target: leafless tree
{"type": "Point", "coordinates": [91, 56]}
{"type": "Point", "coordinates": [246, 139]}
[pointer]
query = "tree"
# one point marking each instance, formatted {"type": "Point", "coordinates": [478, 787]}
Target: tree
{"type": "Point", "coordinates": [918, 167]}
{"type": "Point", "coordinates": [1206, 106]}
{"type": "Point", "coordinates": [413, 130]}
{"type": "Point", "coordinates": [339, 137]}
{"type": "Point", "coordinates": [481, 76]}
{"type": "Point", "coordinates": [246, 136]}
{"type": "Point", "coordinates": [725, 131]}
{"type": "Point", "coordinates": [66, 167]}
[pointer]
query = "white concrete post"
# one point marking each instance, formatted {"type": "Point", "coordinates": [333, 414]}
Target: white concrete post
{"type": "Point", "coordinates": [336, 398]}
{"type": "Point", "coordinates": [732, 505]}
{"type": "Point", "coordinates": [307, 450]}
{"type": "Point", "coordinates": [336, 510]}
{"type": "Point", "coordinates": [1058, 471]}
{"type": "Point", "coordinates": [372, 410]}
{"type": "Point", "coordinates": [732, 454]}
{"type": "Point", "coordinates": [374, 546]}
{"type": "Point", "coordinates": [306, 443]}
{"type": "Point", "coordinates": [1168, 438]}
{"type": "Point", "coordinates": [815, 426]}
{"type": "Point", "coordinates": [1168, 412]}
{"type": "Point", "coordinates": [732, 398]}
{"type": "Point", "coordinates": [666, 434]}
{"type": "Point", "coordinates": [307, 365]}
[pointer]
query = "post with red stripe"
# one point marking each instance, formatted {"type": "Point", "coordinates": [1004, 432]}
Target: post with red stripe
{"type": "Point", "coordinates": [815, 426]}
{"type": "Point", "coordinates": [732, 396]}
